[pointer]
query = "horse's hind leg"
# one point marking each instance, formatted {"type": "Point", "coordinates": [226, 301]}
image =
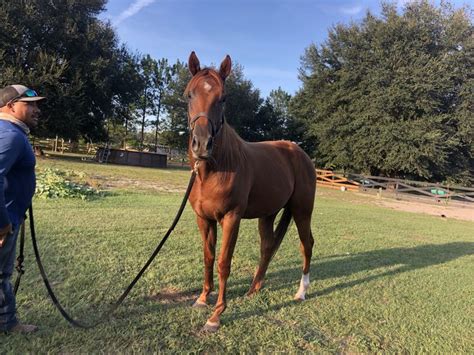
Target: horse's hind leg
{"type": "Point", "coordinates": [267, 248]}
{"type": "Point", "coordinates": [303, 223]}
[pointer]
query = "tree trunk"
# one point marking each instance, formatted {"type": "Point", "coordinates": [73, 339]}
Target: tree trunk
{"type": "Point", "coordinates": [157, 122]}
{"type": "Point", "coordinates": [143, 123]}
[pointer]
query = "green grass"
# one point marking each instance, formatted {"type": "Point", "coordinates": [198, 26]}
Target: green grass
{"type": "Point", "coordinates": [381, 280]}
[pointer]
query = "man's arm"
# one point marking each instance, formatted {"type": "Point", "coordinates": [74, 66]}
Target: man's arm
{"type": "Point", "coordinates": [11, 146]}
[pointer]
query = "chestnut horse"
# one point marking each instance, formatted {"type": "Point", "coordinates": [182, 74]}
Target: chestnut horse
{"type": "Point", "coordinates": [237, 179]}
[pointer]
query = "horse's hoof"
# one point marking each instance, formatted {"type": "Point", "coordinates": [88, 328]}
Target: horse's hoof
{"type": "Point", "coordinates": [299, 297]}
{"type": "Point", "coordinates": [199, 304]}
{"type": "Point", "coordinates": [254, 289]}
{"type": "Point", "coordinates": [210, 327]}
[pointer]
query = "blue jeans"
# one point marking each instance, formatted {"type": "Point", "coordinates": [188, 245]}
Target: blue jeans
{"type": "Point", "coordinates": [7, 298]}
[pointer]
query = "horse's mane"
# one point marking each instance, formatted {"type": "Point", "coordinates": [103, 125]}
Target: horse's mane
{"type": "Point", "coordinates": [229, 150]}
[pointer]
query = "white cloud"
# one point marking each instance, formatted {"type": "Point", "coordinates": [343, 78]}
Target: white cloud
{"type": "Point", "coordinates": [403, 2]}
{"type": "Point", "coordinates": [353, 10]}
{"type": "Point", "coordinates": [132, 10]}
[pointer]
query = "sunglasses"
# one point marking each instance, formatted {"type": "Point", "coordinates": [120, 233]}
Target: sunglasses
{"type": "Point", "coordinates": [27, 93]}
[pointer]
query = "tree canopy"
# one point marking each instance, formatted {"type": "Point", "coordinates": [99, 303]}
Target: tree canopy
{"type": "Point", "coordinates": [99, 91]}
{"type": "Point", "coordinates": [392, 95]}
{"type": "Point", "coordinates": [65, 52]}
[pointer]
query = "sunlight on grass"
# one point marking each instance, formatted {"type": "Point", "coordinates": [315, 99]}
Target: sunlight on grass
{"type": "Point", "coordinates": [382, 280]}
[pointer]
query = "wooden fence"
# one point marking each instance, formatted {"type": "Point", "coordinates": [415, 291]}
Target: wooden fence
{"type": "Point", "coordinates": [60, 145]}
{"type": "Point", "coordinates": [397, 188]}
{"type": "Point", "coordinates": [335, 181]}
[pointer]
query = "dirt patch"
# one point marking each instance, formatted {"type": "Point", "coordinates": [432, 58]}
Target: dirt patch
{"type": "Point", "coordinates": [173, 295]}
{"type": "Point", "coordinates": [141, 185]}
{"type": "Point", "coordinates": [109, 183]}
{"type": "Point", "coordinates": [452, 210]}
{"type": "Point", "coordinates": [457, 212]}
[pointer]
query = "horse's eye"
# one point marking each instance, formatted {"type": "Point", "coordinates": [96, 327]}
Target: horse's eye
{"type": "Point", "coordinates": [189, 96]}
{"type": "Point", "coordinates": [222, 100]}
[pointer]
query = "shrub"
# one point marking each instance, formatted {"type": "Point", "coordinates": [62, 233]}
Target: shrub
{"type": "Point", "coordinates": [55, 183]}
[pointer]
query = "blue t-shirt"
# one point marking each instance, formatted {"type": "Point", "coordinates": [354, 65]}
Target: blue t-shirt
{"type": "Point", "coordinates": [17, 173]}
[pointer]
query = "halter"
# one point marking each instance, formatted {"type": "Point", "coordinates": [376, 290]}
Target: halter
{"type": "Point", "coordinates": [192, 123]}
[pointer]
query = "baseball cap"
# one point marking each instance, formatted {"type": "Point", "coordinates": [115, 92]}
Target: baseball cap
{"type": "Point", "coordinates": [18, 93]}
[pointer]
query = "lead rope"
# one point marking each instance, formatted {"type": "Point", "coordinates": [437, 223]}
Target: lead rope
{"type": "Point", "coordinates": [19, 260]}
{"type": "Point", "coordinates": [106, 315]}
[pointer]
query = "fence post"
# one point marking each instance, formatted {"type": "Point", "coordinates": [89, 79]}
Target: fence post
{"type": "Point", "coordinates": [449, 195]}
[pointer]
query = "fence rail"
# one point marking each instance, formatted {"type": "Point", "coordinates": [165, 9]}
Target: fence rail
{"type": "Point", "coordinates": [397, 187]}
{"type": "Point", "coordinates": [335, 181]}
{"type": "Point", "coordinates": [438, 192]}
{"type": "Point", "coordinates": [60, 145]}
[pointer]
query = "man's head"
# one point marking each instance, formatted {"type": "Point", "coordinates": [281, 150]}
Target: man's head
{"type": "Point", "coordinates": [21, 102]}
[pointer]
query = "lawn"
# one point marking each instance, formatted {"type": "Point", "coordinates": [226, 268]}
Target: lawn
{"type": "Point", "coordinates": [381, 280]}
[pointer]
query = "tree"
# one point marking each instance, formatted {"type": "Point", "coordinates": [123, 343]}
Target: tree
{"type": "Point", "coordinates": [275, 119]}
{"type": "Point", "coordinates": [124, 111]}
{"type": "Point", "coordinates": [164, 72]}
{"type": "Point", "coordinates": [147, 102]}
{"type": "Point", "coordinates": [176, 131]}
{"type": "Point", "coordinates": [65, 52]}
{"type": "Point", "coordinates": [242, 105]}
{"type": "Point", "coordinates": [390, 95]}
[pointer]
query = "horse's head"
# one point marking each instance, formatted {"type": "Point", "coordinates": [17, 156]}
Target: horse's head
{"type": "Point", "coordinates": [206, 98]}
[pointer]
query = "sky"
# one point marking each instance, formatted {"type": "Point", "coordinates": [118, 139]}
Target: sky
{"type": "Point", "coordinates": [266, 37]}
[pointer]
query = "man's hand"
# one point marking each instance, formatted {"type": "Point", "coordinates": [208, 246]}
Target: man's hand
{"type": "Point", "coordinates": [4, 233]}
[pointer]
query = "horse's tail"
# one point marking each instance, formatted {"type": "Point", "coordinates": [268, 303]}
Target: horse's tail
{"type": "Point", "coordinates": [281, 228]}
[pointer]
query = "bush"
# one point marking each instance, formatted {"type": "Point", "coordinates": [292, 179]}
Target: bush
{"type": "Point", "coordinates": [55, 183]}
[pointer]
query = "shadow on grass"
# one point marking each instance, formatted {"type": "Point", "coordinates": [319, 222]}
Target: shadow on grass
{"type": "Point", "coordinates": [397, 260]}
{"type": "Point", "coordinates": [410, 258]}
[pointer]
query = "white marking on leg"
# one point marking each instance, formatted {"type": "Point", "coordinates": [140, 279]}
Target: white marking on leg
{"type": "Point", "coordinates": [304, 284]}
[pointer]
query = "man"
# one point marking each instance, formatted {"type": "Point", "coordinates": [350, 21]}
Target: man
{"type": "Point", "coordinates": [18, 113]}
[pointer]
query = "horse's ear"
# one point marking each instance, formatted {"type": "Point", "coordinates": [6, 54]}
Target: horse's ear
{"type": "Point", "coordinates": [225, 68]}
{"type": "Point", "coordinates": [193, 63]}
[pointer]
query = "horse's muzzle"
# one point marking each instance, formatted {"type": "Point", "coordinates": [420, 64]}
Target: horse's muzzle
{"type": "Point", "coordinates": [201, 147]}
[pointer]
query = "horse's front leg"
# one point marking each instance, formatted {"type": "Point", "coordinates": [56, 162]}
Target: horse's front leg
{"type": "Point", "coordinates": [230, 229]}
{"type": "Point", "coordinates": [208, 231]}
